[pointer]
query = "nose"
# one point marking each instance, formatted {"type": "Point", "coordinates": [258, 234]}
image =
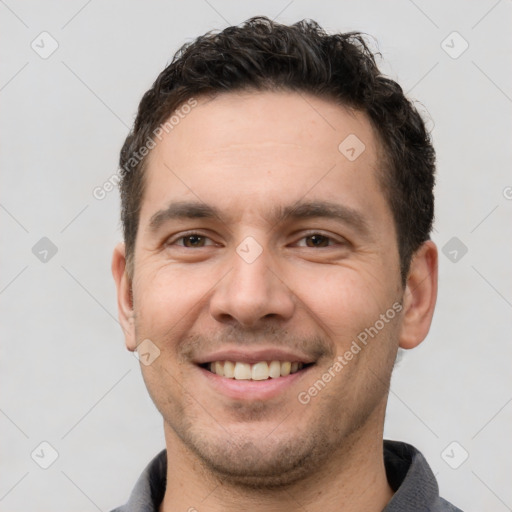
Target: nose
{"type": "Point", "coordinates": [252, 293]}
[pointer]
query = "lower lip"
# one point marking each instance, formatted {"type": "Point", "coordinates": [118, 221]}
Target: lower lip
{"type": "Point", "coordinates": [252, 389]}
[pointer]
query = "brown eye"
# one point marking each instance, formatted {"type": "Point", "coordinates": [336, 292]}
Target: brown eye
{"type": "Point", "coordinates": [317, 241]}
{"type": "Point", "coordinates": [193, 240]}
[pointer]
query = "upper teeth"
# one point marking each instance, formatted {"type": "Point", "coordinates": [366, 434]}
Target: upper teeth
{"type": "Point", "coordinates": [258, 371]}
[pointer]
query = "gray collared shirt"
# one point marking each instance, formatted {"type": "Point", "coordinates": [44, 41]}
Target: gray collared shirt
{"type": "Point", "coordinates": [408, 473]}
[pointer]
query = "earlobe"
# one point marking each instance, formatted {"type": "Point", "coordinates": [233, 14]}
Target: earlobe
{"type": "Point", "coordinates": [124, 295]}
{"type": "Point", "coordinates": [420, 296]}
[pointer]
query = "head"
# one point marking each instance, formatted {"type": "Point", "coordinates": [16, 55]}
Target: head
{"type": "Point", "coordinates": [277, 201]}
{"type": "Point", "coordinates": [265, 56]}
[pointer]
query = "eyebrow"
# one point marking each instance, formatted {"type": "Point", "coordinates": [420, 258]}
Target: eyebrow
{"type": "Point", "coordinates": [183, 210]}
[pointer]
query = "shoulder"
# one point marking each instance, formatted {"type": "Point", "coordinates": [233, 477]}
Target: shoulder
{"type": "Point", "coordinates": [412, 480]}
{"type": "Point", "coordinates": [446, 506]}
{"type": "Point", "coordinates": [150, 487]}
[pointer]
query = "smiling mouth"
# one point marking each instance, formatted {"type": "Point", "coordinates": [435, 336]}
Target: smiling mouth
{"type": "Point", "coordinates": [262, 370]}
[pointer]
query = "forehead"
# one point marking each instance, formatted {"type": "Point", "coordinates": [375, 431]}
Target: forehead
{"type": "Point", "coordinates": [249, 120]}
{"type": "Point", "coordinates": [258, 150]}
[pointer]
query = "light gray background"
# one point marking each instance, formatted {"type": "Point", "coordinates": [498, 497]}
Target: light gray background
{"type": "Point", "coordinates": [65, 375]}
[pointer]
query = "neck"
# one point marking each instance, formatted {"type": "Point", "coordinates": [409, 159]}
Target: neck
{"type": "Point", "coordinates": [352, 480]}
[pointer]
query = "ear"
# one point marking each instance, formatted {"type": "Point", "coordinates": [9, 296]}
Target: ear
{"type": "Point", "coordinates": [420, 296]}
{"type": "Point", "coordinates": [124, 296]}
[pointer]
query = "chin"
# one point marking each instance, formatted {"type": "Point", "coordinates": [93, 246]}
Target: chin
{"type": "Point", "coordinates": [259, 460]}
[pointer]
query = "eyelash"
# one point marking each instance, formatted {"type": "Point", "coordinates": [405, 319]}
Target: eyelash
{"type": "Point", "coordinates": [307, 235]}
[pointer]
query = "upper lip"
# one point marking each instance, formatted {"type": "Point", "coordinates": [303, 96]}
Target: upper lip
{"type": "Point", "coordinates": [254, 356]}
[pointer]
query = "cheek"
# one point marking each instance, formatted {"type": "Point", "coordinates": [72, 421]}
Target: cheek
{"type": "Point", "coordinates": [166, 297]}
{"type": "Point", "coordinates": [345, 299]}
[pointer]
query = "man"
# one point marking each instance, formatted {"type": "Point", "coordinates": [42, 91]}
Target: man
{"type": "Point", "coordinates": [276, 205]}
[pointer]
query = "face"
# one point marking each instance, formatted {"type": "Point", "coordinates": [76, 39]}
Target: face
{"type": "Point", "coordinates": [263, 244]}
